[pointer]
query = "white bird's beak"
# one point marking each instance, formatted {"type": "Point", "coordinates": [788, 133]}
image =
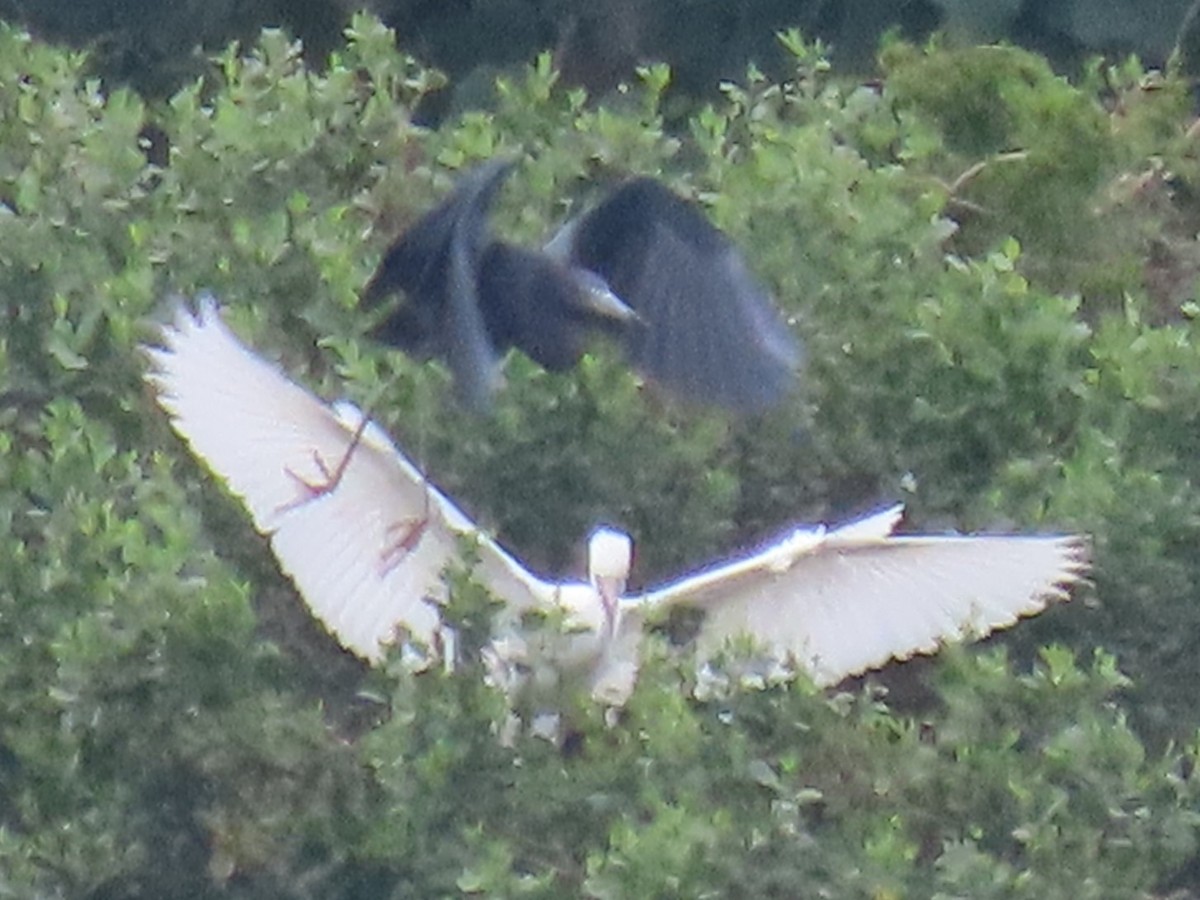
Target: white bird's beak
{"type": "Point", "coordinates": [610, 589]}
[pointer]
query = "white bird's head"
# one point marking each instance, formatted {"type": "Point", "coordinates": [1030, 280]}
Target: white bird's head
{"type": "Point", "coordinates": [610, 557]}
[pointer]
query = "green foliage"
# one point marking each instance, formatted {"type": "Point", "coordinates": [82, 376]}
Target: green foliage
{"type": "Point", "coordinates": [166, 728]}
{"type": "Point", "coordinates": [1046, 144]}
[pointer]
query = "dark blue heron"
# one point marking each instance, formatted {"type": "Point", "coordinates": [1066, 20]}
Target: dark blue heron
{"type": "Point", "coordinates": [644, 267]}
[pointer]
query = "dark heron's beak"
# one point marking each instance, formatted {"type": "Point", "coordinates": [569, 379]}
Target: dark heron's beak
{"type": "Point", "coordinates": [599, 298]}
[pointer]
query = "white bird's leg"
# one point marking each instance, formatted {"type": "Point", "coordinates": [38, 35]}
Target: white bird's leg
{"type": "Point", "coordinates": [408, 533]}
{"type": "Point", "coordinates": [330, 478]}
{"type": "Point", "coordinates": [445, 645]}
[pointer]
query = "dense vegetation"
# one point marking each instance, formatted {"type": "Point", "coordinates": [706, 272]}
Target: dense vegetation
{"type": "Point", "coordinates": [994, 274]}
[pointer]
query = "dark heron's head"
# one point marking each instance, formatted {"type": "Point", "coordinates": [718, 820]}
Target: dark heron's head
{"type": "Point", "coordinates": [544, 308]}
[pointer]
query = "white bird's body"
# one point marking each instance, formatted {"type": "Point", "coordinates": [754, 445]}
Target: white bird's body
{"type": "Point", "coordinates": [367, 553]}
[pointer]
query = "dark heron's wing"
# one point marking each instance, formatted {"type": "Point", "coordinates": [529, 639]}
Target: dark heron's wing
{"type": "Point", "coordinates": [712, 334]}
{"type": "Point", "coordinates": [469, 298]}
{"type": "Point", "coordinates": [436, 264]}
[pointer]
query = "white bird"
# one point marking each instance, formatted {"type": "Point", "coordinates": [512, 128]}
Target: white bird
{"type": "Point", "coordinates": [367, 545]}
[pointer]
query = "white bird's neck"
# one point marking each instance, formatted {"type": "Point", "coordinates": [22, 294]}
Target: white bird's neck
{"type": "Point", "coordinates": [586, 611]}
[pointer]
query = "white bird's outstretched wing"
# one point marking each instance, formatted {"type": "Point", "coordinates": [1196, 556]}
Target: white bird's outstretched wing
{"type": "Point", "coordinates": [842, 601]}
{"type": "Point", "coordinates": [367, 555]}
